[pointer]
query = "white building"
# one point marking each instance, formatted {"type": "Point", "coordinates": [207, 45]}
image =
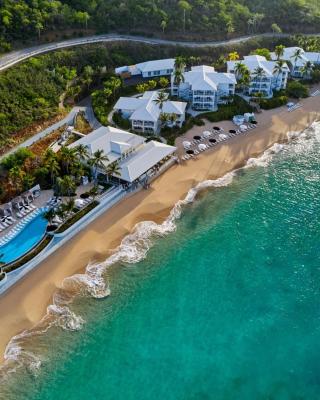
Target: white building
{"type": "Point", "coordinates": [269, 81]}
{"type": "Point", "coordinates": [204, 88]}
{"type": "Point", "coordinates": [136, 158]}
{"type": "Point", "coordinates": [144, 113]}
{"type": "Point", "coordinates": [148, 69]}
{"type": "Point", "coordinates": [297, 64]}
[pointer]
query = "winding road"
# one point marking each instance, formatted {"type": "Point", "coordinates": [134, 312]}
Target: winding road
{"type": "Point", "coordinates": [17, 56]}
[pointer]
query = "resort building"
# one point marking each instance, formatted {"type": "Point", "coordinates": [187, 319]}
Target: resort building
{"type": "Point", "coordinates": [148, 69]}
{"type": "Point", "coordinates": [297, 58]}
{"type": "Point", "coordinates": [145, 113]}
{"type": "Point", "coordinates": [137, 159]}
{"type": "Point", "coordinates": [204, 88]}
{"type": "Point", "coordinates": [264, 76]}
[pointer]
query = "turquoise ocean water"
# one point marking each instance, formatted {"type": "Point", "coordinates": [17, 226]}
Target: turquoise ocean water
{"type": "Point", "coordinates": [224, 307]}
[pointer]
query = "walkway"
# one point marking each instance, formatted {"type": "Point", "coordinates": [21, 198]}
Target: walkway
{"type": "Point", "coordinates": [68, 120]}
{"type": "Point", "coordinates": [15, 57]}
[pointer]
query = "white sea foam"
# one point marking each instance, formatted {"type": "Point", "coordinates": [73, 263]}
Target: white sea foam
{"type": "Point", "coordinates": [133, 248]}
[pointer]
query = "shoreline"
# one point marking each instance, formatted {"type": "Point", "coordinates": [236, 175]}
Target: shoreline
{"type": "Point", "coordinates": [25, 304]}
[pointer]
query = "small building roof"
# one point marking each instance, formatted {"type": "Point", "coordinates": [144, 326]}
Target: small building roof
{"type": "Point", "coordinates": [142, 161]}
{"type": "Point", "coordinates": [204, 77]}
{"type": "Point", "coordinates": [145, 108]}
{"type": "Point", "coordinates": [114, 142]}
{"type": "Point", "coordinates": [255, 61]}
{"type": "Point", "coordinates": [156, 65]}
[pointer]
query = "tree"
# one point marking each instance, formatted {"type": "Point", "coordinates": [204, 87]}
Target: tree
{"type": "Point", "coordinates": [88, 73]}
{"type": "Point", "coordinates": [184, 6]}
{"type": "Point", "coordinates": [307, 69]}
{"type": "Point", "coordinates": [152, 84]}
{"type": "Point", "coordinates": [164, 82]}
{"type": "Point", "coordinates": [259, 73]}
{"type": "Point", "coordinates": [262, 52]}
{"type": "Point", "coordinates": [16, 176]}
{"type": "Point", "coordinates": [164, 25]}
{"type": "Point", "coordinates": [113, 169]}
{"type": "Point", "coordinates": [279, 68]}
{"type": "Point", "coordinates": [97, 161]}
{"type": "Point", "coordinates": [66, 185]}
{"type": "Point", "coordinates": [234, 56]}
{"type": "Point", "coordinates": [114, 84]}
{"type": "Point", "coordinates": [82, 17]}
{"type": "Point", "coordinates": [179, 63]}
{"type": "Point", "coordinates": [297, 55]}
{"type": "Point", "coordinates": [173, 118]}
{"type": "Point", "coordinates": [161, 99]}
{"type": "Point", "coordinates": [68, 157]}
{"type": "Point", "coordinates": [164, 119]}
{"type": "Point", "coordinates": [178, 77]}
{"type": "Point", "coordinates": [279, 51]}
{"type": "Point", "coordinates": [69, 206]}
{"type": "Point", "coordinates": [82, 152]}
{"type": "Point", "coordinates": [297, 90]}
{"type": "Point", "coordinates": [142, 87]}
{"type": "Point", "coordinates": [53, 168]}
{"type": "Point", "coordinates": [50, 215]}
{"type": "Point", "coordinates": [276, 28]}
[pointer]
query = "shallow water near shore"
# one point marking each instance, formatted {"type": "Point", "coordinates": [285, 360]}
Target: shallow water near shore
{"type": "Point", "coordinates": [225, 307]}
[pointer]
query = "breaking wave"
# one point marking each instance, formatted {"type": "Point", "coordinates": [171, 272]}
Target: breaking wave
{"type": "Point", "coordinates": [133, 248]}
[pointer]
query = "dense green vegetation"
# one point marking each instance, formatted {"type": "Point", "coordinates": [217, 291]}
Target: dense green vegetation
{"type": "Point", "coordinates": [21, 19]}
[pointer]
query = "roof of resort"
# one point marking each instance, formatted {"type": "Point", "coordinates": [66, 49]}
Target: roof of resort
{"type": "Point", "coordinates": [114, 142]}
{"type": "Point", "coordinates": [255, 61]}
{"type": "Point", "coordinates": [154, 65]}
{"type": "Point", "coordinates": [288, 55]}
{"type": "Point", "coordinates": [147, 66]}
{"type": "Point", "coordinates": [204, 77]}
{"type": "Point", "coordinates": [143, 160]}
{"type": "Point", "coordinates": [146, 109]}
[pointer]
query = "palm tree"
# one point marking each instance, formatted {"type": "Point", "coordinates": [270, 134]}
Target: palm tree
{"type": "Point", "coordinates": [93, 192]}
{"type": "Point", "coordinates": [97, 161]}
{"type": "Point", "coordinates": [297, 55]}
{"type": "Point", "coordinates": [66, 185]}
{"type": "Point", "coordinates": [173, 118]}
{"type": "Point", "coordinates": [68, 157]}
{"type": "Point", "coordinates": [164, 118]}
{"type": "Point", "coordinates": [69, 206]}
{"type": "Point", "coordinates": [240, 69]}
{"type": "Point", "coordinates": [185, 6]}
{"type": "Point", "coordinates": [279, 69]}
{"type": "Point", "coordinates": [234, 56]}
{"type": "Point", "coordinates": [178, 77]}
{"type": "Point", "coordinates": [179, 63]}
{"type": "Point", "coordinates": [161, 99]}
{"type": "Point", "coordinates": [244, 80]}
{"type": "Point", "coordinates": [279, 51]}
{"type": "Point", "coordinates": [82, 152]}
{"type": "Point", "coordinates": [16, 176]}
{"type": "Point", "coordinates": [259, 73]}
{"type": "Point", "coordinates": [50, 215]}
{"type": "Point", "coordinates": [113, 169]}
{"type": "Point", "coordinates": [113, 84]}
{"type": "Point", "coordinates": [307, 69]}
{"type": "Point", "coordinates": [54, 168]}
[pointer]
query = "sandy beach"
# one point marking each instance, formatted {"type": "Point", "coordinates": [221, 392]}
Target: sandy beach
{"type": "Point", "coordinates": [25, 304]}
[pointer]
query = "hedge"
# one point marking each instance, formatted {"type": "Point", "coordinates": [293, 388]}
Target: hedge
{"type": "Point", "coordinates": [77, 217]}
{"type": "Point", "coordinates": [268, 104]}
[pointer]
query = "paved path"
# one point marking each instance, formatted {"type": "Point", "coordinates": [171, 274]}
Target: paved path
{"type": "Point", "coordinates": [15, 57]}
{"type": "Point", "coordinates": [68, 120]}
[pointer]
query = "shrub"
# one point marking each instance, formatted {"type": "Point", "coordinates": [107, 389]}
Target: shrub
{"type": "Point", "coordinates": [297, 90]}
{"type": "Point", "coordinates": [275, 102]}
{"type": "Point", "coordinates": [76, 217]}
{"type": "Point", "coordinates": [120, 121]}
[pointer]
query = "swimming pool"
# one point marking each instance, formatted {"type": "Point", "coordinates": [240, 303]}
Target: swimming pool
{"type": "Point", "coordinates": [30, 235]}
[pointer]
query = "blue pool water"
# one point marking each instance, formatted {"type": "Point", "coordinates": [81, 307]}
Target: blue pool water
{"type": "Point", "coordinates": [30, 235]}
{"type": "Point", "coordinates": [224, 308]}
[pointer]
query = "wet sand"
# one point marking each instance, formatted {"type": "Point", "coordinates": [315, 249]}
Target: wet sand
{"type": "Point", "coordinates": [25, 304]}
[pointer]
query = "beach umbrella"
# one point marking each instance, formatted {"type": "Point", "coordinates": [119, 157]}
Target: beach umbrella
{"type": "Point", "coordinates": [223, 136]}
{"type": "Point", "coordinates": [206, 134]}
{"type": "Point", "coordinates": [243, 127]}
{"type": "Point", "coordinates": [186, 144]}
{"type": "Point", "coordinates": [202, 146]}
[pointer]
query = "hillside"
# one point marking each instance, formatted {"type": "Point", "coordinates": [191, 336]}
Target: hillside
{"type": "Point", "coordinates": [22, 20]}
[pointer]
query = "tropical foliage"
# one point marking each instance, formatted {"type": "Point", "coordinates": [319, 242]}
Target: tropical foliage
{"type": "Point", "coordinates": [21, 19]}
